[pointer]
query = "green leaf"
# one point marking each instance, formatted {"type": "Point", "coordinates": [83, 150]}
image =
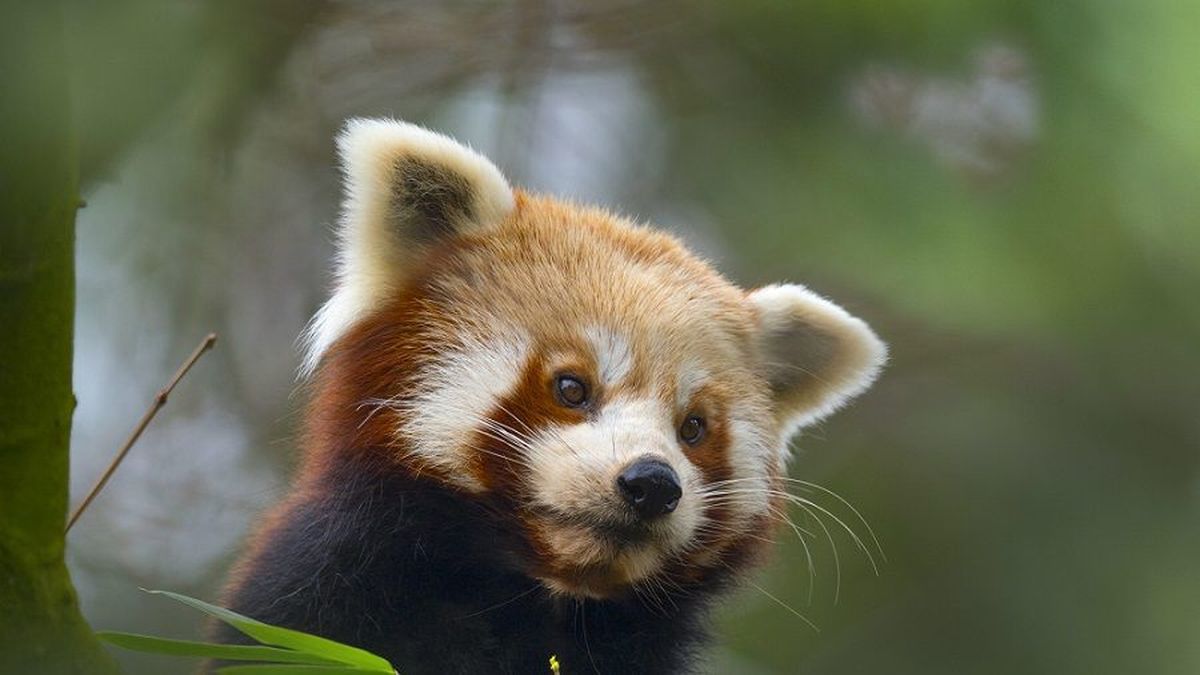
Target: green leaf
{"type": "Point", "coordinates": [268, 669]}
{"type": "Point", "coordinates": [156, 645]}
{"type": "Point", "coordinates": [285, 637]}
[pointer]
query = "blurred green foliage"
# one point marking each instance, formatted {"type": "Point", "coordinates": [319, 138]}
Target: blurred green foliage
{"type": "Point", "coordinates": [1031, 457]}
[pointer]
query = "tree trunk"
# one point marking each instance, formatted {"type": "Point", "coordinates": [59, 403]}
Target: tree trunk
{"type": "Point", "coordinates": [41, 629]}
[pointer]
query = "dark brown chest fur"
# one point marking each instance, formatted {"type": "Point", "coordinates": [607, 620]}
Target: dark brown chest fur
{"type": "Point", "coordinates": [428, 579]}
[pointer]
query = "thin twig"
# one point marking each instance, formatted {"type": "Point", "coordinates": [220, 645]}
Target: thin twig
{"type": "Point", "coordinates": [159, 401]}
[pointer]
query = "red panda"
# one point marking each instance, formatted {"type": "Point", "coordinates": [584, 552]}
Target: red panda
{"type": "Point", "coordinates": [535, 428]}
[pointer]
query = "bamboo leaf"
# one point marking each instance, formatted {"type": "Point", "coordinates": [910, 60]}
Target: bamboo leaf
{"type": "Point", "coordinates": [285, 637]}
{"type": "Point", "coordinates": [157, 645]}
{"type": "Point", "coordinates": [270, 669]}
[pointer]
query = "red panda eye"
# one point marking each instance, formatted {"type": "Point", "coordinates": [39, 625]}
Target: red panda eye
{"type": "Point", "coordinates": [692, 430]}
{"type": "Point", "coordinates": [571, 391]}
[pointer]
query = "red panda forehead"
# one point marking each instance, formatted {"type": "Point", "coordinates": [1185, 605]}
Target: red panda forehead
{"type": "Point", "coordinates": [576, 278]}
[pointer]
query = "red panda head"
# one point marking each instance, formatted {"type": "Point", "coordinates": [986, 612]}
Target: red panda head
{"type": "Point", "coordinates": [621, 404]}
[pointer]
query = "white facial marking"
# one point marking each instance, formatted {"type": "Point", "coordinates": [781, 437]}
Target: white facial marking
{"type": "Point", "coordinates": [751, 452]}
{"type": "Point", "coordinates": [455, 396]}
{"type": "Point", "coordinates": [690, 378]}
{"type": "Point", "coordinates": [613, 355]}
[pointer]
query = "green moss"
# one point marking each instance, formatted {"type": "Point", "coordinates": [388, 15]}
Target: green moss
{"type": "Point", "coordinates": [41, 629]}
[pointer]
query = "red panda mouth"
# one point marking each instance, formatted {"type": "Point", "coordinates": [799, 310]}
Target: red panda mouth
{"type": "Point", "coordinates": [618, 533]}
{"type": "Point", "coordinates": [596, 580]}
{"type": "Point", "coordinates": [595, 557]}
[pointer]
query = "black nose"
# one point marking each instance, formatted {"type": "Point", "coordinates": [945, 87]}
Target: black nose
{"type": "Point", "coordinates": [650, 487]}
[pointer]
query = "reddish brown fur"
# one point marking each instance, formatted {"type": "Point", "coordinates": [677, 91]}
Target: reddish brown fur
{"type": "Point", "coordinates": [379, 357]}
{"type": "Point", "coordinates": [442, 475]}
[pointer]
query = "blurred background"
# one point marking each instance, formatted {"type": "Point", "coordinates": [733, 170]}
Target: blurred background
{"type": "Point", "coordinates": [1006, 190]}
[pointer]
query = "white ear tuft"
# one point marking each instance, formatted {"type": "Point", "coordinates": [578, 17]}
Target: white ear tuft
{"type": "Point", "coordinates": [816, 355]}
{"type": "Point", "coordinates": [405, 188]}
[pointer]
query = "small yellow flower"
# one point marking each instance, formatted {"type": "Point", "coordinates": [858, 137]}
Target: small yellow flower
{"type": "Point", "coordinates": [554, 664]}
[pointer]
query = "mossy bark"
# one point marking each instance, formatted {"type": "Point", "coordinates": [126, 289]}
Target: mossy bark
{"type": "Point", "coordinates": [41, 628]}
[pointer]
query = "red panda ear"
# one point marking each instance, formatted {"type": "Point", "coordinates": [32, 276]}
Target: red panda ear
{"type": "Point", "coordinates": [405, 189]}
{"type": "Point", "coordinates": [815, 355]}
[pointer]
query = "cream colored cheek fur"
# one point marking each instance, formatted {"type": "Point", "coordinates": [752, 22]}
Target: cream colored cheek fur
{"type": "Point", "coordinates": [453, 398]}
